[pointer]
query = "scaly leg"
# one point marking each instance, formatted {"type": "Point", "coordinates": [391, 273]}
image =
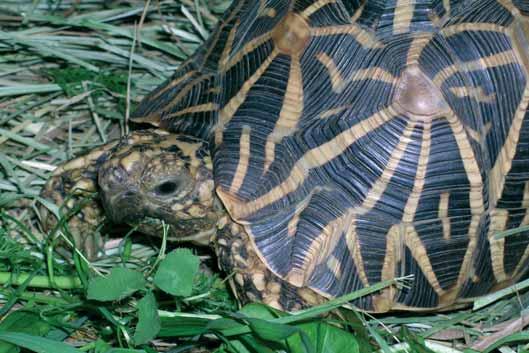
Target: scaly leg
{"type": "Point", "coordinates": [252, 280]}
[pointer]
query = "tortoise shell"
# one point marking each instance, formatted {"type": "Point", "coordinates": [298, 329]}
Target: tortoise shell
{"type": "Point", "coordinates": [362, 141]}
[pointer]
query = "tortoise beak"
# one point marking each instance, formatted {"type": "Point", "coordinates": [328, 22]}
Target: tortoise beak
{"type": "Point", "coordinates": [124, 207]}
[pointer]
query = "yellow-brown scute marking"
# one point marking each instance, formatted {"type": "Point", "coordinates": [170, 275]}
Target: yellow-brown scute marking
{"type": "Point", "coordinates": [520, 36]}
{"type": "Point", "coordinates": [358, 12]}
{"type": "Point", "coordinates": [291, 35]}
{"type": "Point", "coordinates": [417, 47]}
{"type": "Point", "coordinates": [504, 58]}
{"type": "Point", "coordinates": [525, 200]}
{"type": "Point", "coordinates": [446, 5]}
{"type": "Point", "coordinates": [228, 47]}
{"type": "Point", "coordinates": [229, 110]}
{"type": "Point", "coordinates": [333, 111]}
{"type": "Point", "coordinates": [337, 81]}
{"type": "Point", "coordinates": [178, 97]}
{"type": "Point", "coordinates": [380, 185]}
{"type": "Point", "coordinates": [418, 250]}
{"type": "Point", "coordinates": [244, 160]}
{"type": "Point", "coordinates": [207, 107]}
{"type": "Point", "coordinates": [264, 10]}
{"type": "Point", "coordinates": [333, 264]}
{"type": "Point", "coordinates": [420, 176]}
{"type": "Point", "coordinates": [403, 16]}
{"type": "Point", "coordinates": [365, 38]}
{"type": "Point", "coordinates": [171, 85]}
{"type": "Point", "coordinates": [290, 113]}
{"type": "Point", "coordinates": [477, 93]}
{"type": "Point", "coordinates": [498, 223]}
{"type": "Point", "coordinates": [354, 247]}
{"type": "Point", "coordinates": [248, 48]}
{"type": "Point", "coordinates": [465, 27]}
{"type": "Point", "coordinates": [443, 214]}
{"type": "Point", "coordinates": [503, 163]}
{"type": "Point", "coordinates": [394, 251]}
{"type": "Point", "coordinates": [315, 7]}
{"type": "Point", "coordinates": [509, 6]}
{"type": "Point", "coordinates": [522, 263]}
{"type": "Point", "coordinates": [477, 204]}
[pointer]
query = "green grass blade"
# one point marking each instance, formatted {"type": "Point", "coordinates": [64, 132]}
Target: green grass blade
{"type": "Point", "coordinates": [36, 343]}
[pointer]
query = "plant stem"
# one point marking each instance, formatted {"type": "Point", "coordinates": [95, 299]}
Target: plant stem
{"type": "Point", "coordinates": [59, 282]}
{"type": "Point", "coordinates": [38, 297]}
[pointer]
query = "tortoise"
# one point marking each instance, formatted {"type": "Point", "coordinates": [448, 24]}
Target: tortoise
{"type": "Point", "coordinates": [322, 146]}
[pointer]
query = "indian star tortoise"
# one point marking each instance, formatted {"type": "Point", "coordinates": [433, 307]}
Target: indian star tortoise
{"type": "Point", "coordinates": [324, 146]}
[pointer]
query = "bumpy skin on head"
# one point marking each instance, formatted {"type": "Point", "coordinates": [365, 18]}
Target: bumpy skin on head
{"type": "Point", "coordinates": [73, 185]}
{"type": "Point", "coordinates": [143, 179]}
{"type": "Point", "coordinates": [167, 179]}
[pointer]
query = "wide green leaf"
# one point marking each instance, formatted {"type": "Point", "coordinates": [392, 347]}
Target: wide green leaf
{"type": "Point", "coordinates": [324, 338]}
{"type": "Point", "coordinates": [148, 320]}
{"type": "Point", "coordinates": [176, 272]}
{"type": "Point", "coordinates": [119, 284]}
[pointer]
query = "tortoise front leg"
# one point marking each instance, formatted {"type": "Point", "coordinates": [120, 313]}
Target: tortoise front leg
{"type": "Point", "coordinates": [73, 188]}
{"type": "Point", "coordinates": [252, 280]}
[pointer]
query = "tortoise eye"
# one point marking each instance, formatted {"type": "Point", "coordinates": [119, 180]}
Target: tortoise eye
{"type": "Point", "coordinates": [166, 188]}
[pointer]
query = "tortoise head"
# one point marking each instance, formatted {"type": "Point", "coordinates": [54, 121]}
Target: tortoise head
{"type": "Point", "coordinates": [154, 178]}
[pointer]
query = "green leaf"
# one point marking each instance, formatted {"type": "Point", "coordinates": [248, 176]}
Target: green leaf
{"type": "Point", "coordinates": [249, 343]}
{"type": "Point", "coordinates": [179, 326]}
{"type": "Point", "coordinates": [176, 272]}
{"type": "Point", "coordinates": [23, 322]}
{"type": "Point", "coordinates": [325, 338]}
{"type": "Point", "coordinates": [36, 343]}
{"type": "Point", "coordinates": [260, 311]}
{"type": "Point", "coordinates": [223, 324]}
{"type": "Point", "coordinates": [148, 320]}
{"type": "Point", "coordinates": [119, 284]}
{"type": "Point", "coordinates": [270, 331]}
{"type": "Point", "coordinates": [101, 346]}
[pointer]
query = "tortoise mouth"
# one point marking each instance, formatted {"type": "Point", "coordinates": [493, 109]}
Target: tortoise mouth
{"type": "Point", "coordinates": [153, 220]}
{"type": "Point", "coordinates": [182, 230]}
